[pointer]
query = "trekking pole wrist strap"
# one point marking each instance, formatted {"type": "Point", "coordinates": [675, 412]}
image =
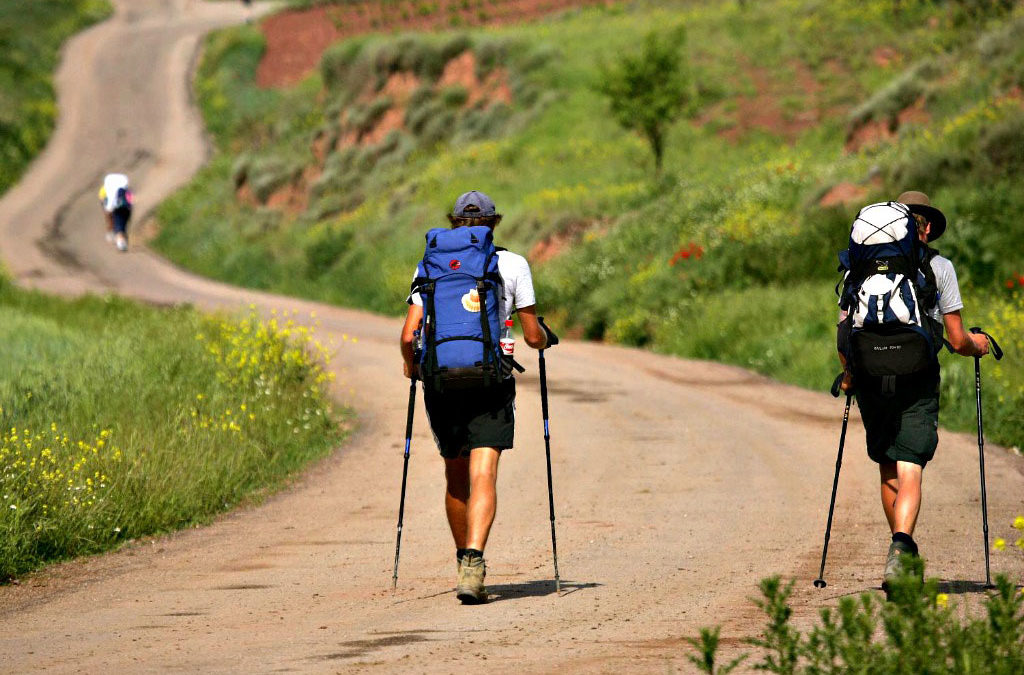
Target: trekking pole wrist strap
{"type": "Point", "coordinates": [997, 352]}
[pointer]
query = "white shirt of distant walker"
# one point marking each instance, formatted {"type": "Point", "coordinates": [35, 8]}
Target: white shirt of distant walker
{"type": "Point", "coordinates": [517, 283]}
{"type": "Point", "coordinates": [113, 182]}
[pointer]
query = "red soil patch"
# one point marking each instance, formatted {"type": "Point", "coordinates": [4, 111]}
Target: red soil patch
{"type": "Point", "coordinates": [764, 110]}
{"type": "Point", "coordinates": [392, 119]}
{"type": "Point", "coordinates": [461, 71]}
{"type": "Point", "coordinates": [843, 193]}
{"type": "Point", "coordinates": [885, 56]}
{"type": "Point", "coordinates": [296, 39]}
{"type": "Point", "coordinates": [883, 131]}
{"type": "Point", "coordinates": [554, 244]}
{"type": "Point", "coordinates": [399, 87]}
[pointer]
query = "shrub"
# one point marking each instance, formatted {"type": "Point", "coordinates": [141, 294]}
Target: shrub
{"type": "Point", "coordinates": [916, 632]}
{"type": "Point", "coordinates": [649, 90]}
{"type": "Point", "coordinates": [324, 251]}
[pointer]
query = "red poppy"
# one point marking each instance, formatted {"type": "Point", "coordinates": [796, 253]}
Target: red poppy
{"type": "Point", "coordinates": [1009, 283]}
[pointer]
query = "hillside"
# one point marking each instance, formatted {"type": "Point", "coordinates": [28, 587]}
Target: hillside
{"type": "Point", "coordinates": [804, 112]}
{"type": "Point", "coordinates": [30, 37]}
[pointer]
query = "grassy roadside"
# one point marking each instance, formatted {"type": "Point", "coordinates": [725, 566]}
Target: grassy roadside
{"type": "Point", "coordinates": [31, 34]}
{"type": "Point", "coordinates": [119, 421]}
{"type": "Point", "coordinates": [735, 241]}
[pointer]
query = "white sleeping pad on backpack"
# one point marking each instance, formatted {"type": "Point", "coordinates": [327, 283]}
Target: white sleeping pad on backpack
{"type": "Point", "coordinates": [881, 223]}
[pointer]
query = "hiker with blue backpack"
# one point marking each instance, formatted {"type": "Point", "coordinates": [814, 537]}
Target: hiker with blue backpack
{"type": "Point", "coordinates": [457, 341]}
{"type": "Point", "coordinates": [897, 296]}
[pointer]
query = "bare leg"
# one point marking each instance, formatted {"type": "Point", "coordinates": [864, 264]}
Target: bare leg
{"type": "Point", "coordinates": [483, 496]}
{"type": "Point", "coordinates": [901, 495]}
{"type": "Point", "coordinates": [890, 488]}
{"type": "Point", "coordinates": [456, 472]}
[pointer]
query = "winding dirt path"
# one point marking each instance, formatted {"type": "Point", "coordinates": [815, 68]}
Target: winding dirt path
{"type": "Point", "coordinates": [678, 484]}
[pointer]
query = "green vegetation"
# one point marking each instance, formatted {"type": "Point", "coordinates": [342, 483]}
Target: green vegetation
{"type": "Point", "coordinates": [119, 421]}
{"type": "Point", "coordinates": [647, 91]}
{"type": "Point", "coordinates": [728, 255]}
{"type": "Point", "coordinates": [917, 631]}
{"type": "Point", "coordinates": [31, 34]}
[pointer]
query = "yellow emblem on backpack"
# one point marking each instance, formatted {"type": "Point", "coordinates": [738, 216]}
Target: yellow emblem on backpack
{"type": "Point", "coordinates": [471, 301]}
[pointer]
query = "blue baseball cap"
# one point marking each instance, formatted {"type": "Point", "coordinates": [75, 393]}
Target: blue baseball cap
{"type": "Point", "coordinates": [474, 204]}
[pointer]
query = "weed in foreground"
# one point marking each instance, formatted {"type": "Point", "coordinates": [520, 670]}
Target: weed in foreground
{"type": "Point", "coordinates": [917, 631]}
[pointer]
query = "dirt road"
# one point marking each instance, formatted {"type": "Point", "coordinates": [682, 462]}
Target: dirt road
{"type": "Point", "coordinates": [678, 484]}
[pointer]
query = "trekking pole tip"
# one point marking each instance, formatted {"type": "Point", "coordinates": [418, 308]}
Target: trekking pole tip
{"type": "Point", "coordinates": [820, 583]}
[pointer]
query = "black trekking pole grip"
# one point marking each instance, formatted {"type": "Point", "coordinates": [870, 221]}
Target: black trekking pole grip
{"type": "Point", "coordinates": [997, 352]}
{"type": "Point", "coordinates": [405, 475]}
{"type": "Point", "coordinates": [820, 581]}
{"type": "Point", "coordinates": [547, 455]}
{"type": "Point", "coordinates": [837, 385]}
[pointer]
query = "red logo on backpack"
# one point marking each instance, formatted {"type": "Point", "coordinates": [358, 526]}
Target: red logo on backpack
{"type": "Point", "coordinates": [455, 264]}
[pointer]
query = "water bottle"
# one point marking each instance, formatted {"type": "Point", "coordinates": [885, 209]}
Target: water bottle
{"type": "Point", "coordinates": [507, 341]}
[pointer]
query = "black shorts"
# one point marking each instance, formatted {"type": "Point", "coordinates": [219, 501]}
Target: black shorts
{"type": "Point", "coordinates": [472, 418]}
{"type": "Point", "coordinates": [120, 218]}
{"type": "Point", "coordinates": [902, 427]}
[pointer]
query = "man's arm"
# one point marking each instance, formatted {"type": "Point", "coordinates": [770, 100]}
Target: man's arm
{"type": "Point", "coordinates": [967, 344]}
{"type": "Point", "coordinates": [532, 332]}
{"type": "Point", "coordinates": [408, 340]}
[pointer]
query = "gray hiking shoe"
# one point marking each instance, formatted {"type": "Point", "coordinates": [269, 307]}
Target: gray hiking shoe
{"type": "Point", "coordinates": [470, 589]}
{"type": "Point", "coordinates": [893, 563]}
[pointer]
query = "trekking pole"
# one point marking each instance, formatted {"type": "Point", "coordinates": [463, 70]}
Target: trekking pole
{"type": "Point", "coordinates": [820, 581]}
{"type": "Point", "coordinates": [997, 353]}
{"type": "Point", "coordinates": [405, 474]}
{"type": "Point", "coordinates": [547, 452]}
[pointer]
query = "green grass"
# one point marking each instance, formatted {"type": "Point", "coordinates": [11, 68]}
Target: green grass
{"type": "Point", "coordinates": [31, 34]}
{"type": "Point", "coordinates": [119, 421]}
{"type": "Point", "coordinates": [560, 168]}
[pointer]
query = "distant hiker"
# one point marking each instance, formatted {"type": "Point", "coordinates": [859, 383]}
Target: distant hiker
{"type": "Point", "coordinates": [463, 292]}
{"type": "Point", "coordinates": [898, 295]}
{"type": "Point", "coordinates": [116, 199]}
{"type": "Point", "coordinates": [247, 5]}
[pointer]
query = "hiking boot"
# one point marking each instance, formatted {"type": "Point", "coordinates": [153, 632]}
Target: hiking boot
{"type": "Point", "coordinates": [470, 589]}
{"type": "Point", "coordinates": [893, 564]}
{"type": "Point", "coordinates": [122, 243]}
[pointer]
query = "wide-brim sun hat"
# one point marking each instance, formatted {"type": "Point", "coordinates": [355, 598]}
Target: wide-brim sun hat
{"type": "Point", "coordinates": [474, 204]}
{"type": "Point", "coordinates": [919, 203]}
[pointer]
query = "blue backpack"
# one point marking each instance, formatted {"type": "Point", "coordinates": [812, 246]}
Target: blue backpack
{"type": "Point", "coordinates": [888, 290]}
{"type": "Point", "coordinates": [461, 288]}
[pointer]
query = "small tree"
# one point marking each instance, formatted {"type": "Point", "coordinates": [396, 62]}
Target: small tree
{"type": "Point", "coordinates": [649, 90]}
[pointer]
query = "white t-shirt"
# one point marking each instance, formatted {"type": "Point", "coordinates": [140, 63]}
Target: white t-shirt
{"type": "Point", "coordinates": [516, 281]}
{"type": "Point", "coordinates": [112, 182]}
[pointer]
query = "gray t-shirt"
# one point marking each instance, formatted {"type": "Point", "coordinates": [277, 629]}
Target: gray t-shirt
{"type": "Point", "coordinates": [949, 289]}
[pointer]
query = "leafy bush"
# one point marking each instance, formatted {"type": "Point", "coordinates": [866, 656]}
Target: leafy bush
{"type": "Point", "coordinates": [916, 632]}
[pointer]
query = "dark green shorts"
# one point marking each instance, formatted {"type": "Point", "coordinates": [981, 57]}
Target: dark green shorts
{"type": "Point", "coordinates": [473, 418]}
{"type": "Point", "coordinates": [902, 427]}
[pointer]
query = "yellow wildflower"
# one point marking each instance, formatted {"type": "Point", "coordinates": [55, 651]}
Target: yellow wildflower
{"type": "Point", "coordinates": [999, 544]}
{"type": "Point", "coordinates": [941, 600]}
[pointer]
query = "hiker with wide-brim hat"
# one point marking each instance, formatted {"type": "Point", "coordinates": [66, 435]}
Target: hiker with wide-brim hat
{"type": "Point", "coordinates": [472, 424]}
{"type": "Point", "coordinates": [902, 425]}
{"type": "Point", "coordinates": [920, 205]}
